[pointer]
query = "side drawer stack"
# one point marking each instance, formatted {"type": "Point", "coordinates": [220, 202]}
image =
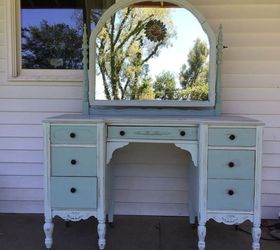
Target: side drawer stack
{"type": "Point", "coordinates": [73, 171]}
{"type": "Point", "coordinates": [231, 169]}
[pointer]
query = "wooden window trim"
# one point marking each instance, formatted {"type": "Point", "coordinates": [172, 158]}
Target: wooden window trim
{"type": "Point", "coordinates": [15, 71]}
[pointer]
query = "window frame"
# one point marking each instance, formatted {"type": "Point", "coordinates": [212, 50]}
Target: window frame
{"type": "Point", "coordinates": [15, 70]}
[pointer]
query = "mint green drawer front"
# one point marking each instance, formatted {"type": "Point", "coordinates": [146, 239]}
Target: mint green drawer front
{"type": "Point", "coordinates": [73, 192]}
{"type": "Point", "coordinates": [149, 133]}
{"type": "Point", "coordinates": [235, 195]}
{"type": "Point", "coordinates": [73, 161]}
{"type": "Point", "coordinates": [73, 134]}
{"type": "Point", "coordinates": [232, 164]}
{"type": "Point", "coordinates": [232, 137]}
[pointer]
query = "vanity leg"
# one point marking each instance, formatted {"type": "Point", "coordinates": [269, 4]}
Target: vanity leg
{"type": "Point", "coordinates": [101, 229]}
{"type": "Point", "coordinates": [48, 229]}
{"type": "Point", "coordinates": [201, 236]}
{"type": "Point", "coordinates": [256, 234]}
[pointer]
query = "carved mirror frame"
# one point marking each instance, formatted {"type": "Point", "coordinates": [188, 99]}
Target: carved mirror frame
{"type": "Point", "coordinates": [120, 4]}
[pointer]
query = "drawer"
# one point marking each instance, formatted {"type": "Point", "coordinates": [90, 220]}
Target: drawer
{"type": "Point", "coordinates": [232, 164]}
{"type": "Point", "coordinates": [73, 134]}
{"type": "Point", "coordinates": [73, 161]}
{"type": "Point", "coordinates": [232, 137]}
{"type": "Point", "coordinates": [235, 195]}
{"type": "Point", "coordinates": [158, 133]}
{"type": "Point", "coordinates": [74, 192]}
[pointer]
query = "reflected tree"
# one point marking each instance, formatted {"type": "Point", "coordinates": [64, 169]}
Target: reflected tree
{"type": "Point", "coordinates": [123, 49]}
{"type": "Point", "coordinates": [46, 46]}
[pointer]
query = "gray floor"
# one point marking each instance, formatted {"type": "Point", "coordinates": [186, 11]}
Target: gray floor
{"type": "Point", "coordinates": [24, 232]}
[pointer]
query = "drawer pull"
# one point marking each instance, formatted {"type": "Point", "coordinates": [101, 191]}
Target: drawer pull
{"type": "Point", "coordinates": [182, 133]}
{"type": "Point", "coordinates": [72, 135]}
{"type": "Point", "coordinates": [231, 164]}
{"type": "Point", "coordinates": [122, 133]}
{"type": "Point", "coordinates": [73, 190]}
{"type": "Point", "coordinates": [232, 137]}
{"type": "Point", "coordinates": [230, 192]}
{"type": "Point", "coordinates": [73, 162]}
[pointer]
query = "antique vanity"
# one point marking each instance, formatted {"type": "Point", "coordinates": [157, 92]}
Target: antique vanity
{"type": "Point", "coordinates": [225, 151]}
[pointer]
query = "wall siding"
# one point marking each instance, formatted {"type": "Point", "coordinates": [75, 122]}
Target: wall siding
{"type": "Point", "coordinates": [143, 183]}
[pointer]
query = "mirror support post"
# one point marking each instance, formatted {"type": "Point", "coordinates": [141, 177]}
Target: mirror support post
{"type": "Point", "coordinates": [85, 70]}
{"type": "Point", "coordinates": [220, 47]}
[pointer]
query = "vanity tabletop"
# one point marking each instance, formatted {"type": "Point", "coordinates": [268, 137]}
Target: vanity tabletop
{"type": "Point", "coordinates": [156, 120]}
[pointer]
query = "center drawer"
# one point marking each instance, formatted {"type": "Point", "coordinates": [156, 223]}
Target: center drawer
{"type": "Point", "coordinates": [159, 133]}
{"type": "Point", "coordinates": [73, 161]}
{"type": "Point", "coordinates": [73, 192]}
{"type": "Point", "coordinates": [232, 164]}
{"type": "Point", "coordinates": [235, 195]}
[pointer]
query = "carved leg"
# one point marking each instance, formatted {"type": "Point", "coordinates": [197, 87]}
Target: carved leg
{"type": "Point", "coordinates": [101, 229]}
{"type": "Point", "coordinates": [48, 228]}
{"type": "Point", "coordinates": [201, 236]}
{"type": "Point", "coordinates": [256, 234]}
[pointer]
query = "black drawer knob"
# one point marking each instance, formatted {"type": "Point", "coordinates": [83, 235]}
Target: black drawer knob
{"type": "Point", "coordinates": [72, 135]}
{"type": "Point", "coordinates": [182, 133]}
{"type": "Point", "coordinates": [230, 192]}
{"type": "Point", "coordinates": [73, 190]}
{"type": "Point", "coordinates": [73, 162]}
{"type": "Point", "coordinates": [122, 133]}
{"type": "Point", "coordinates": [232, 137]}
{"type": "Point", "coordinates": [231, 164]}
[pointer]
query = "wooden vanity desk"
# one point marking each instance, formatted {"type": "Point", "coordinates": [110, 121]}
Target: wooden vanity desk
{"type": "Point", "coordinates": [223, 152]}
{"type": "Point", "coordinates": [226, 166]}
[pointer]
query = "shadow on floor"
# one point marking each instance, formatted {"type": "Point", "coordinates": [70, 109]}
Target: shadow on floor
{"type": "Point", "coordinates": [24, 232]}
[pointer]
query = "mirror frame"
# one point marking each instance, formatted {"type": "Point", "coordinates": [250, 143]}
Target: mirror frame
{"type": "Point", "coordinates": [120, 4]}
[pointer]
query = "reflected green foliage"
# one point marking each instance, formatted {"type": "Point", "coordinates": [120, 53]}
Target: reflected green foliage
{"type": "Point", "coordinates": [123, 50]}
{"type": "Point", "coordinates": [47, 47]}
{"type": "Point", "coordinates": [165, 86]}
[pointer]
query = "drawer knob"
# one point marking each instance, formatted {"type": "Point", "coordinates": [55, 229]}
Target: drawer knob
{"type": "Point", "coordinates": [122, 133]}
{"type": "Point", "coordinates": [182, 133]}
{"type": "Point", "coordinates": [73, 190]}
{"type": "Point", "coordinates": [73, 162]}
{"type": "Point", "coordinates": [230, 192]}
{"type": "Point", "coordinates": [72, 135]}
{"type": "Point", "coordinates": [231, 164]}
{"type": "Point", "coordinates": [232, 137]}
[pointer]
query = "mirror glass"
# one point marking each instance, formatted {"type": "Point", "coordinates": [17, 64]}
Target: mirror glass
{"type": "Point", "coordinates": [152, 51]}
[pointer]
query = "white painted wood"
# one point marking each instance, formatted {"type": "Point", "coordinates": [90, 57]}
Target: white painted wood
{"type": "Point", "coordinates": [158, 209]}
{"type": "Point", "coordinates": [257, 33]}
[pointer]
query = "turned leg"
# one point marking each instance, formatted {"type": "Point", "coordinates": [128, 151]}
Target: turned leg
{"type": "Point", "coordinates": [101, 229]}
{"type": "Point", "coordinates": [48, 229]}
{"type": "Point", "coordinates": [256, 234]}
{"type": "Point", "coordinates": [201, 236]}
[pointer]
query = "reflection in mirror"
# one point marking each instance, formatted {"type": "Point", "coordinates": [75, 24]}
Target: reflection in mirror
{"type": "Point", "coordinates": [151, 51]}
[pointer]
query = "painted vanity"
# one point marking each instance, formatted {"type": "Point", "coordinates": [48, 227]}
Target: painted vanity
{"type": "Point", "coordinates": [225, 176]}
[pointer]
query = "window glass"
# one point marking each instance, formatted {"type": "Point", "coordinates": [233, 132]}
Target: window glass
{"type": "Point", "coordinates": [51, 31]}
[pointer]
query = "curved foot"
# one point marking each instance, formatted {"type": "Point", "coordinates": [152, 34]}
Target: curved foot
{"type": "Point", "coordinates": [101, 229]}
{"type": "Point", "coordinates": [48, 229]}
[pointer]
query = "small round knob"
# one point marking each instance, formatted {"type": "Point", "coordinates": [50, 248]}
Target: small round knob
{"type": "Point", "coordinates": [182, 133]}
{"type": "Point", "coordinates": [73, 162]}
{"type": "Point", "coordinates": [72, 135]}
{"type": "Point", "coordinates": [232, 137]}
{"type": "Point", "coordinates": [122, 133]}
{"type": "Point", "coordinates": [231, 164]}
{"type": "Point", "coordinates": [230, 192]}
{"type": "Point", "coordinates": [73, 190]}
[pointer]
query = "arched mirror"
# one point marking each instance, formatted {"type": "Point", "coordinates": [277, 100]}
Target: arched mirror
{"type": "Point", "coordinates": [152, 53]}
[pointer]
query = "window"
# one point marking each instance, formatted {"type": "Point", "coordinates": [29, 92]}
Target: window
{"type": "Point", "coordinates": [47, 35]}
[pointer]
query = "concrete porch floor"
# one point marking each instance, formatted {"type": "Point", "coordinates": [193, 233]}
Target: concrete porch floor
{"type": "Point", "coordinates": [24, 232]}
